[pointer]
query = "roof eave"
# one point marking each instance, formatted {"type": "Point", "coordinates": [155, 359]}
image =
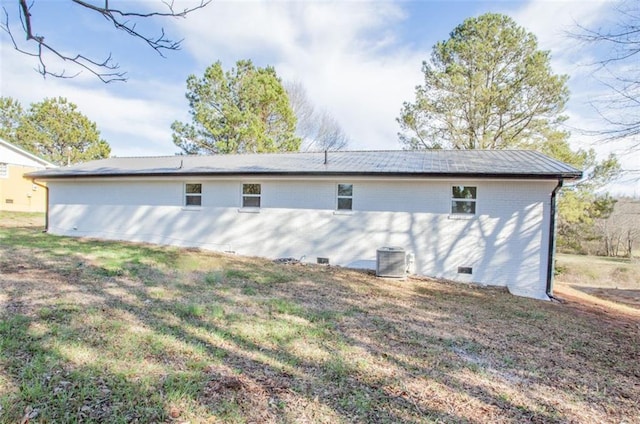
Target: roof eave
{"type": "Point", "coordinates": [493, 175]}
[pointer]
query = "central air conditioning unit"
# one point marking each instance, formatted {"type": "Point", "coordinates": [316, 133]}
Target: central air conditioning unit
{"type": "Point", "coordinates": [390, 262]}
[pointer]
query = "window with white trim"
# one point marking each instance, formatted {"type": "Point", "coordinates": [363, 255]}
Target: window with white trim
{"type": "Point", "coordinates": [345, 197]}
{"type": "Point", "coordinates": [463, 200]}
{"type": "Point", "coordinates": [4, 170]}
{"type": "Point", "coordinates": [251, 194]}
{"type": "Point", "coordinates": [192, 194]}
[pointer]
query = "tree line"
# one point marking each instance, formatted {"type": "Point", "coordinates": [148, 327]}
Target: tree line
{"type": "Point", "coordinates": [246, 109]}
{"type": "Point", "coordinates": [611, 229]}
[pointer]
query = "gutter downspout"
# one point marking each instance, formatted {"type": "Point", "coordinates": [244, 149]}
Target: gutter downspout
{"type": "Point", "coordinates": [552, 240]}
{"type": "Point", "coordinates": [46, 194]}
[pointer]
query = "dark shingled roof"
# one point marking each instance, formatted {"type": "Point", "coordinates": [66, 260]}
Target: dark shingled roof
{"type": "Point", "coordinates": [424, 163]}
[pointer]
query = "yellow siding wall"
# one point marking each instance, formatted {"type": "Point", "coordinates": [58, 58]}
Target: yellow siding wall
{"type": "Point", "coordinates": [20, 194]}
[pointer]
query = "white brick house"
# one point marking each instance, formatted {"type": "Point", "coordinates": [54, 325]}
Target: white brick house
{"type": "Point", "coordinates": [475, 216]}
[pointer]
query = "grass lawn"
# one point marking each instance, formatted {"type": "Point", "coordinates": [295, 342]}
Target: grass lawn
{"type": "Point", "coordinates": [94, 331]}
{"type": "Point", "coordinates": [614, 282]}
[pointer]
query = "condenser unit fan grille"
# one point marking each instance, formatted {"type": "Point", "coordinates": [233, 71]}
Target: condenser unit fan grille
{"type": "Point", "coordinates": [390, 262]}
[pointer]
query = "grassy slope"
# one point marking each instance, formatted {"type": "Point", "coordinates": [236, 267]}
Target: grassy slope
{"type": "Point", "coordinates": [614, 282]}
{"type": "Point", "coordinates": [111, 332]}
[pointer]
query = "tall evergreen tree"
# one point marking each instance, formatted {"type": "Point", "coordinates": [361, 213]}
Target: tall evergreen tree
{"type": "Point", "coordinates": [53, 129]}
{"type": "Point", "coordinates": [11, 114]}
{"type": "Point", "coordinates": [487, 87]}
{"type": "Point", "coordinates": [242, 110]}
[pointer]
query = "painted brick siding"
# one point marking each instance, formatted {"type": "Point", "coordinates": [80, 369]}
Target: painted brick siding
{"type": "Point", "coordinates": [20, 194]}
{"type": "Point", "coordinates": [506, 242]}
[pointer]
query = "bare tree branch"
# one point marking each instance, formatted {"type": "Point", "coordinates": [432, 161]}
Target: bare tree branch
{"type": "Point", "coordinates": [106, 70]}
{"type": "Point", "coordinates": [318, 129]}
{"type": "Point", "coordinates": [619, 73]}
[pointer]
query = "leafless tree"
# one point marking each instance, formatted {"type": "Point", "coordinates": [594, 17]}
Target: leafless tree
{"type": "Point", "coordinates": [106, 69]}
{"type": "Point", "coordinates": [620, 231]}
{"type": "Point", "coordinates": [619, 71]}
{"type": "Point", "coordinates": [319, 130]}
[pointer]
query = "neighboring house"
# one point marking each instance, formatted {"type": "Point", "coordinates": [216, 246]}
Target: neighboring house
{"type": "Point", "coordinates": [472, 216]}
{"type": "Point", "coordinates": [18, 193]}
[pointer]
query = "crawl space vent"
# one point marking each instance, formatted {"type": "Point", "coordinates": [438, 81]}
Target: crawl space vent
{"type": "Point", "coordinates": [465, 270]}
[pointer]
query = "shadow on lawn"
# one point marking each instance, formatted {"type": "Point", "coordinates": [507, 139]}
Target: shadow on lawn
{"type": "Point", "coordinates": [68, 362]}
{"type": "Point", "coordinates": [243, 380]}
{"type": "Point", "coordinates": [629, 297]}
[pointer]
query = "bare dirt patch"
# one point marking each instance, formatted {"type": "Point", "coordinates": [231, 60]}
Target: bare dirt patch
{"type": "Point", "coordinates": [625, 297]}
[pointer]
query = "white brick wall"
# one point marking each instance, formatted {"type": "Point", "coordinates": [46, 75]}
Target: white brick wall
{"type": "Point", "coordinates": [506, 242]}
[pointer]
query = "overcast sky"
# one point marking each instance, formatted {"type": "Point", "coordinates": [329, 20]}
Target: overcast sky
{"type": "Point", "coordinates": [358, 60]}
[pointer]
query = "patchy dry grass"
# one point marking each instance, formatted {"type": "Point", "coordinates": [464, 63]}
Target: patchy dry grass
{"type": "Point", "coordinates": [95, 331]}
{"type": "Point", "coordinates": [611, 282]}
{"type": "Point", "coordinates": [22, 219]}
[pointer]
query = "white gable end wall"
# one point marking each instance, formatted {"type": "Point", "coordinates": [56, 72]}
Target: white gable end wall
{"type": "Point", "coordinates": [16, 157]}
{"type": "Point", "coordinates": [505, 242]}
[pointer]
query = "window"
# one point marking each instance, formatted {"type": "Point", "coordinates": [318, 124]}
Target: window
{"type": "Point", "coordinates": [193, 194]}
{"type": "Point", "coordinates": [251, 195]}
{"type": "Point", "coordinates": [463, 200]}
{"type": "Point", "coordinates": [4, 171]}
{"type": "Point", "coordinates": [345, 197]}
